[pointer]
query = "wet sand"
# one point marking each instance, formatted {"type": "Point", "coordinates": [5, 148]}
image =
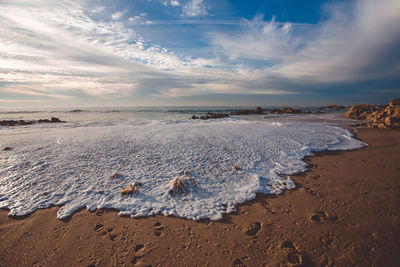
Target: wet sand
{"type": "Point", "coordinates": [344, 212]}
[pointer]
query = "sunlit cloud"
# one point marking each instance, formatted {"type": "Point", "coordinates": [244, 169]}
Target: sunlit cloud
{"type": "Point", "coordinates": [72, 48]}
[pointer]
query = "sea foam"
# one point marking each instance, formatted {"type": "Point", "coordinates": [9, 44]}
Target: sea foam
{"type": "Point", "coordinates": [74, 167]}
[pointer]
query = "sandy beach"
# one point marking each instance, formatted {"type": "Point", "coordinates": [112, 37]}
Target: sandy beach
{"type": "Point", "coordinates": [344, 212]}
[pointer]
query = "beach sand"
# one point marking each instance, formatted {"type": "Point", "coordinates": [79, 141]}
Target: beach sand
{"type": "Point", "coordinates": [344, 212]}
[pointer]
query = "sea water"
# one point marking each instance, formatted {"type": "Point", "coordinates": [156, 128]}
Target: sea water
{"type": "Point", "coordinates": [87, 160]}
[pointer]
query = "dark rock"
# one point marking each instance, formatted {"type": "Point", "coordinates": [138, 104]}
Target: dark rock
{"type": "Point", "coordinates": [7, 148]}
{"type": "Point", "coordinates": [194, 117]}
{"type": "Point", "coordinates": [24, 122]}
{"type": "Point", "coordinates": [334, 107]}
{"type": "Point", "coordinates": [210, 115]}
{"type": "Point", "coordinates": [288, 110]}
{"type": "Point", "coordinates": [54, 119]}
{"type": "Point", "coordinates": [256, 110]}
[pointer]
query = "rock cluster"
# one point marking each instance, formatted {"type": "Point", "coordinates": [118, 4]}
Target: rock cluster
{"type": "Point", "coordinates": [380, 116]}
{"type": "Point", "coordinates": [256, 110]}
{"type": "Point", "coordinates": [334, 107]}
{"type": "Point", "coordinates": [285, 110]}
{"type": "Point", "coordinates": [210, 115]}
{"type": "Point", "coordinates": [24, 122]}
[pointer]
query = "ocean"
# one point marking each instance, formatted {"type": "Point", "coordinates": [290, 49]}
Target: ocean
{"type": "Point", "coordinates": [84, 162]}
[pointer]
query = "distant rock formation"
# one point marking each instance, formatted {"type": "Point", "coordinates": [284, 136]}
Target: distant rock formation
{"type": "Point", "coordinates": [334, 107]}
{"type": "Point", "coordinates": [210, 115]}
{"type": "Point", "coordinates": [256, 110]}
{"type": "Point", "coordinates": [24, 122]}
{"type": "Point", "coordinates": [380, 116]}
{"type": "Point", "coordinates": [288, 110]}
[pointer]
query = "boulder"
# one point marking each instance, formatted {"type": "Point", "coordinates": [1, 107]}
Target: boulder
{"type": "Point", "coordinates": [379, 116]}
{"type": "Point", "coordinates": [177, 187]}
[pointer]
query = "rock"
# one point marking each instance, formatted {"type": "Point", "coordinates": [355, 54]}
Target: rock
{"type": "Point", "coordinates": [194, 117]}
{"type": "Point", "coordinates": [394, 102]}
{"type": "Point", "coordinates": [7, 148]}
{"type": "Point", "coordinates": [24, 122]}
{"type": "Point", "coordinates": [129, 190]}
{"type": "Point", "coordinates": [363, 111]}
{"type": "Point", "coordinates": [210, 115]}
{"type": "Point", "coordinates": [55, 120]}
{"type": "Point", "coordinates": [235, 167]}
{"type": "Point", "coordinates": [379, 116]}
{"type": "Point", "coordinates": [334, 107]}
{"type": "Point", "coordinates": [181, 185]}
{"type": "Point", "coordinates": [177, 187]}
{"type": "Point", "coordinates": [115, 175]}
{"type": "Point", "coordinates": [288, 110]}
{"type": "Point", "coordinates": [44, 121]}
{"type": "Point", "coordinates": [256, 110]}
{"type": "Point", "coordinates": [14, 123]}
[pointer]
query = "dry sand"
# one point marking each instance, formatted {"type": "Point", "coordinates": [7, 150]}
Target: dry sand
{"type": "Point", "coordinates": [344, 212]}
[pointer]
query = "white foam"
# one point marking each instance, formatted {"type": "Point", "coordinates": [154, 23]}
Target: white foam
{"type": "Point", "coordinates": [72, 167]}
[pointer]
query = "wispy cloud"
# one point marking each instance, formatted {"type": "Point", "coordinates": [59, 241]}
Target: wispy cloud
{"type": "Point", "coordinates": [117, 15]}
{"type": "Point", "coordinates": [353, 44]}
{"type": "Point", "coordinates": [194, 8]}
{"type": "Point", "coordinates": [67, 49]}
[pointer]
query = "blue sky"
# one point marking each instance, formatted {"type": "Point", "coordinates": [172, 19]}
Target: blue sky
{"type": "Point", "coordinates": [198, 52]}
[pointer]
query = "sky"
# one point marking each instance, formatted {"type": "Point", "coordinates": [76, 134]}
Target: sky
{"type": "Point", "coordinates": [198, 52]}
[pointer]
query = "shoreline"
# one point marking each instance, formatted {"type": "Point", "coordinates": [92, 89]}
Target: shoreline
{"type": "Point", "coordinates": [309, 225]}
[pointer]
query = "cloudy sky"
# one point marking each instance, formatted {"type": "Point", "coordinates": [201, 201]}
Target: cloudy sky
{"type": "Point", "coordinates": [198, 52]}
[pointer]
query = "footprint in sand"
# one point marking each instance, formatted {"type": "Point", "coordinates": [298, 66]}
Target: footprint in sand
{"type": "Point", "coordinates": [253, 228]}
{"type": "Point", "coordinates": [139, 253]}
{"type": "Point", "coordinates": [293, 255]}
{"type": "Point", "coordinates": [99, 212]}
{"type": "Point", "coordinates": [318, 217]}
{"type": "Point", "coordinates": [239, 263]}
{"type": "Point", "coordinates": [158, 229]}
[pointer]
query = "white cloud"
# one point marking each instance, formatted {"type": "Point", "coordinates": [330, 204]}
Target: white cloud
{"type": "Point", "coordinates": [357, 42]}
{"type": "Point", "coordinates": [139, 19]}
{"type": "Point", "coordinates": [174, 3]}
{"type": "Point", "coordinates": [117, 15]}
{"type": "Point", "coordinates": [194, 8]}
{"type": "Point", "coordinates": [97, 9]}
{"type": "Point", "coordinates": [58, 51]}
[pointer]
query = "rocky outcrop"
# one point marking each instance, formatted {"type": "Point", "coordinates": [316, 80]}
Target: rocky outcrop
{"type": "Point", "coordinates": [288, 110]}
{"type": "Point", "coordinates": [379, 116]}
{"type": "Point", "coordinates": [334, 107]}
{"type": "Point", "coordinates": [256, 110]}
{"type": "Point", "coordinates": [24, 122]}
{"type": "Point", "coordinates": [210, 115]}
